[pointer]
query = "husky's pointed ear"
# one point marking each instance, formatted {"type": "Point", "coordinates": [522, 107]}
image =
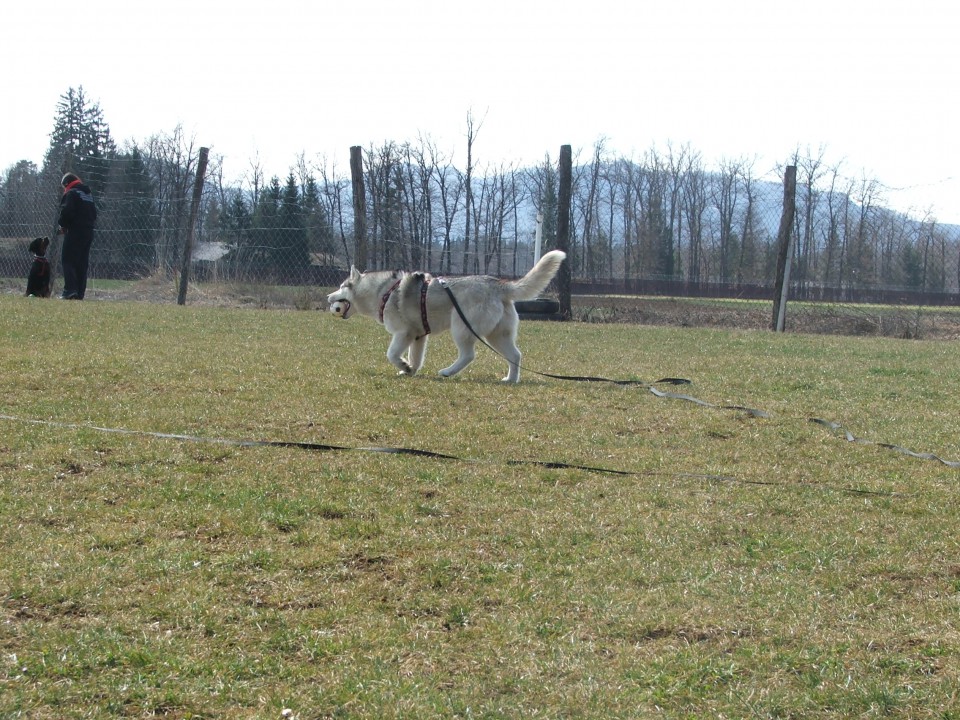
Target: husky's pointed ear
{"type": "Point", "coordinates": [354, 273]}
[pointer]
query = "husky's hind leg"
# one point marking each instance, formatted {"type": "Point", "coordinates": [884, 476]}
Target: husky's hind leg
{"type": "Point", "coordinates": [503, 339]}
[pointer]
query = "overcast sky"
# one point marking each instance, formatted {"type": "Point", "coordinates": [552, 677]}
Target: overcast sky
{"type": "Point", "coordinates": [870, 83]}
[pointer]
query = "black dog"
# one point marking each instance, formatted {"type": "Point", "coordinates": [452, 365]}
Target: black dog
{"type": "Point", "coordinates": [38, 281]}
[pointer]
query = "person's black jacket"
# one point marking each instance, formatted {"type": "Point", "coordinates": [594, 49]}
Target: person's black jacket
{"type": "Point", "coordinates": [78, 213]}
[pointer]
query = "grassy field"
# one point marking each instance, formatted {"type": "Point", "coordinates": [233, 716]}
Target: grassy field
{"type": "Point", "coordinates": [741, 567]}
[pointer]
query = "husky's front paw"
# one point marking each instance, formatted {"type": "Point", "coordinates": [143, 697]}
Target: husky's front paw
{"type": "Point", "coordinates": [405, 369]}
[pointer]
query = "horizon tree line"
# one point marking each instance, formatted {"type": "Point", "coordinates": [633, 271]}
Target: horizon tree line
{"type": "Point", "coordinates": [663, 215]}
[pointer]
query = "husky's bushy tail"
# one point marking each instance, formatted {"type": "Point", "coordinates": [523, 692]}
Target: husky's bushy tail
{"type": "Point", "coordinates": [535, 282]}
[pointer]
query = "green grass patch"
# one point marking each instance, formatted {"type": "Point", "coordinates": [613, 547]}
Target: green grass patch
{"type": "Point", "coordinates": [747, 567]}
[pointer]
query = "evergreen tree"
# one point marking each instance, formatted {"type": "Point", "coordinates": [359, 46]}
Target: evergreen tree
{"type": "Point", "coordinates": [130, 227]}
{"type": "Point", "coordinates": [80, 141]}
{"type": "Point", "coordinates": [291, 248]}
{"type": "Point", "coordinates": [262, 251]}
{"type": "Point", "coordinates": [235, 223]}
{"type": "Point", "coordinates": [20, 209]}
{"type": "Point", "coordinates": [320, 237]}
{"type": "Point", "coordinates": [912, 263]}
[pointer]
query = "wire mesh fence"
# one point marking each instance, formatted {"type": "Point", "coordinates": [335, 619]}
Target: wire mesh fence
{"type": "Point", "coordinates": [664, 240]}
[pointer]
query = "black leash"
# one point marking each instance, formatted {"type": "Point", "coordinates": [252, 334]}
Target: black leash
{"type": "Point", "coordinates": [323, 447]}
{"type": "Point", "coordinates": [689, 398]}
{"type": "Point", "coordinates": [589, 378]}
{"type": "Point", "coordinates": [753, 412]}
{"type": "Point", "coordinates": [577, 378]}
{"type": "Point", "coordinates": [850, 437]}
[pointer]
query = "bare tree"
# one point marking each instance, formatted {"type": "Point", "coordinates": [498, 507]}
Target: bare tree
{"type": "Point", "coordinates": [588, 211]}
{"type": "Point", "coordinates": [725, 196]}
{"type": "Point", "coordinates": [747, 258]}
{"type": "Point", "coordinates": [498, 206]}
{"type": "Point", "coordinates": [627, 173]}
{"type": "Point", "coordinates": [836, 202]}
{"type": "Point", "coordinates": [450, 187]}
{"type": "Point", "coordinates": [611, 202]}
{"type": "Point", "coordinates": [472, 129]}
{"type": "Point", "coordinates": [541, 186]}
{"type": "Point", "coordinates": [332, 190]}
{"type": "Point", "coordinates": [845, 239]}
{"type": "Point", "coordinates": [897, 233]}
{"type": "Point", "coordinates": [676, 160]}
{"type": "Point", "coordinates": [170, 159]}
{"type": "Point", "coordinates": [384, 187]}
{"type": "Point", "coordinates": [418, 203]}
{"type": "Point", "coordinates": [694, 206]}
{"type": "Point", "coordinates": [475, 209]}
{"type": "Point", "coordinates": [518, 194]}
{"type": "Point", "coordinates": [863, 257]}
{"type": "Point", "coordinates": [656, 241]}
{"type": "Point", "coordinates": [255, 179]}
{"type": "Point", "coordinates": [812, 169]}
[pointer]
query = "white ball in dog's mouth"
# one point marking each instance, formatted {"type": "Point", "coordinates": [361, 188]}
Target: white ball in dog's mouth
{"type": "Point", "coordinates": [340, 308]}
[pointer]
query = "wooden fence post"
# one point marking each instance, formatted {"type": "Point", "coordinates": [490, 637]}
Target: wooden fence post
{"type": "Point", "coordinates": [784, 237]}
{"type": "Point", "coordinates": [191, 229]}
{"type": "Point", "coordinates": [563, 229]}
{"type": "Point", "coordinates": [359, 209]}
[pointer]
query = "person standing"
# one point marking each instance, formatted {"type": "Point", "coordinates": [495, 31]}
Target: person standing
{"type": "Point", "coordinates": [78, 215]}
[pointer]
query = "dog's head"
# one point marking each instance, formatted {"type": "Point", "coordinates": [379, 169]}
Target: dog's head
{"type": "Point", "coordinates": [341, 301]}
{"type": "Point", "coordinates": [39, 246]}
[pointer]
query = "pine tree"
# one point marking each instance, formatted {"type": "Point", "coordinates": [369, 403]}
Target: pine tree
{"type": "Point", "coordinates": [134, 216]}
{"type": "Point", "coordinates": [320, 238]}
{"type": "Point", "coordinates": [80, 142]}
{"type": "Point", "coordinates": [20, 211]}
{"type": "Point", "coordinates": [264, 228]}
{"type": "Point", "coordinates": [235, 224]}
{"type": "Point", "coordinates": [292, 248]}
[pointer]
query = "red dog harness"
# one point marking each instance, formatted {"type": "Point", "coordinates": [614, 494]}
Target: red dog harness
{"type": "Point", "coordinates": [386, 296]}
{"type": "Point", "coordinates": [423, 308]}
{"type": "Point", "coordinates": [424, 286]}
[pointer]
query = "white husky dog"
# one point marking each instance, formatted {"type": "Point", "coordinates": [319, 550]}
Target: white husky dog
{"type": "Point", "coordinates": [413, 305]}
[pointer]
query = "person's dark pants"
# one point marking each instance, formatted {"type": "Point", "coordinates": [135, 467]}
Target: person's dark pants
{"type": "Point", "coordinates": [75, 260]}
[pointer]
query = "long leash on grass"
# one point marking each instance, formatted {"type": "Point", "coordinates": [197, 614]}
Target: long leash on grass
{"type": "Point", "coordinates": [851, 438]}
{"type": "Point", "coordinates": [754, 412]}
{"type": "Point", "coordinates": [651, 386]}
{"type": "Point", "coordinates": [547, 464]}
{"type": "Point", "coordinates": [579, 378]}
{"type": "Point", "coordinates": [324, 447]}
